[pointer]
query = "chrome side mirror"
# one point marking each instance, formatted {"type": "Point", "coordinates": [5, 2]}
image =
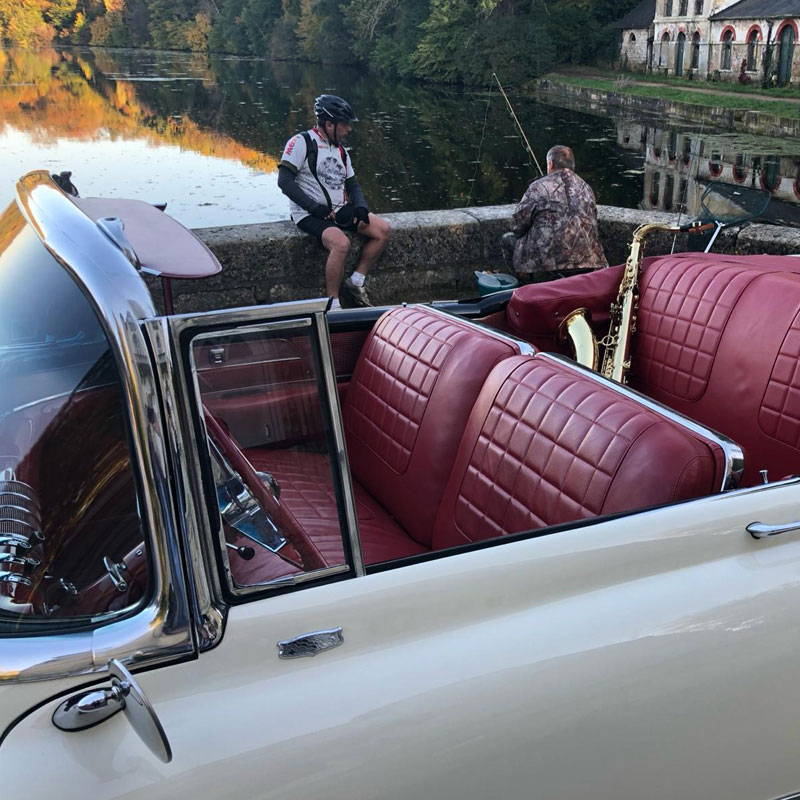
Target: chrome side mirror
{"type": "Point", "coordinates": [90, 708]}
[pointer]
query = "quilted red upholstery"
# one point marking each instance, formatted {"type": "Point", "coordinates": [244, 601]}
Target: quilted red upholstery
{"type": "Point", "coordinates": [717, 339]}
{"type": "Point", "coordinates": [739, 373]}
{"type": "Point", "coordinates": [413, 388]}
{"type": "Point", "coordinates": [546, 444]}
{"type": "Point", "coordinates": [682, 314]}
{"type": "Point", "coordinates": [307, 490]}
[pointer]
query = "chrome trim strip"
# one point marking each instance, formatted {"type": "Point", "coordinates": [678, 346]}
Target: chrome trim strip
{"type": "Point", "coordinates": [239, 317]}
{"type": "Point", "coordinates": [734, 456]}
{"type": "Point", "coordinates": [208, 612]}
{"type": "Point", "coordinates": [201, 543]}
{"type": "Point", "coordinates": [288, 580]}
{"type": "Point", "coordinates": [237, 364]}
{"type": "Point", "coordinates": [159, 632]}
{"type": "Point", "coordinates": [329, 374]}
{"type": "Point", "coordinates": [525, 348]}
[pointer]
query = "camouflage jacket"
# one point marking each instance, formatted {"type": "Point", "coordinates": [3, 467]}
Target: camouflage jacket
{"type": "Point", "coordinates": [556, 226]}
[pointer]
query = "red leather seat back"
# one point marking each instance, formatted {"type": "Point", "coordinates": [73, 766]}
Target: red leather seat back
{"type": "Point", "coordinates": [718, 340]}
{"type": "Point", "coordinates": [413, 387]}
{"type": "Point", "coordinates": [547, 444]}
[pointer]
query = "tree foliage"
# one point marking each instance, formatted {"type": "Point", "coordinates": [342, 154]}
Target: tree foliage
{"type": "Point", "coordinates": [458, 41]}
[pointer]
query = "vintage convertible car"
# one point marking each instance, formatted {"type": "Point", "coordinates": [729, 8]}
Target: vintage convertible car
{"type": "Point", "coordinates": [516, 578]}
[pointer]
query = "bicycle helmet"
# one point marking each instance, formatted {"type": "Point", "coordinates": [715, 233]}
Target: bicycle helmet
{"type": "Point", "coordinates": [330, 108]}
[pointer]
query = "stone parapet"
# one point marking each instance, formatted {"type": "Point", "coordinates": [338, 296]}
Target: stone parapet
{"type": "Point", "coordinates": [432, 255]}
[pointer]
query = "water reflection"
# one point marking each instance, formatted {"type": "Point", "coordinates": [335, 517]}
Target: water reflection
{"type": "Point", "coordinates": [680, 165]}
{"type": "Point", "coordinates": [204, 133]}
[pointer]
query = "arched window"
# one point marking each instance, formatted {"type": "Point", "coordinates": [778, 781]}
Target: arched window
{"type": "Point", "coordinates": [667, 8]}
{"type": "Point", "coordinates": [669, 191]}
{"type": "Point", "coordinates": [679, 54]}
{"type": "Point", "coordinates": [663, 53]}
{"type": "Point", "coordinates": [684, 8]}
{"type": "Point", "coordinates": [785, 54]}
{"type": "Point", "coordinates": [752, 42]}
{"type": "Point", "coordinates": [740, 168]}
{"type": "Point", "coordinates": [770, 174]}
{"type": "Point", "coordinates": [695, 50]}
{"type": "Point", "coordinates": [655, 188]}
{"type": "Point", "coordinates": [632, 38]}
{"type": "Point", "coordinates": [727, 46]}
{"type": "Point", "coordinates": [698, 7]}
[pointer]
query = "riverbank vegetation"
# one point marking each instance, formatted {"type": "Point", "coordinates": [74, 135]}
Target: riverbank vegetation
{"type": "Point", "coordinates": [683, 91]}
{"type": "Point", "coordinates": [456, 41]}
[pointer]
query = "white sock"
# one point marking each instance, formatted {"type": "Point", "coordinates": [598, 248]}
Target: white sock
{"type": "Point", "coordinates": [335, 304]}
{"type": "Point", "coordinates": [358, 279]}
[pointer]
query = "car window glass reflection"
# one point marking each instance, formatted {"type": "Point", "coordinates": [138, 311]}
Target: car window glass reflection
{"type": "Point", "coordinates": [269, 454]}
{"type": "Point", "coordinates": [71, 540]}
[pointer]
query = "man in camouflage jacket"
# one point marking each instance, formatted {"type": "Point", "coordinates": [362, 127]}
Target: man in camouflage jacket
{"type": "Point", "coordinates": [555, 223]}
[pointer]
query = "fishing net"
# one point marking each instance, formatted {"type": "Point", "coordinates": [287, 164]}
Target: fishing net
{"type": "Point", "coordinates": [730, 204]}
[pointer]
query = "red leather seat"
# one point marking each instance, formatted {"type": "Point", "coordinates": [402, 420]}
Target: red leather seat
{"type": "Point", "coordinates": [548, 444]}
{"type": "Point", "coordinates": [717, 339]}
{"type": "Point", "coordinates": [412, 390]}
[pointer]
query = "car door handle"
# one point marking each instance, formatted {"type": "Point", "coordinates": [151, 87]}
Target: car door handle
{"type": "Point", "coordinates": [310, 644]}
{"type": "Point", "coordinates": [760, 530]}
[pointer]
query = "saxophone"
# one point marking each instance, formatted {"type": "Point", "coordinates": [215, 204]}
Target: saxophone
{"type": "Point", "coordinates": [575, 327]}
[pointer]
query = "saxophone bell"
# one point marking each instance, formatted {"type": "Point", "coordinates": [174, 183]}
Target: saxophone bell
{"type": "Point", "coordinates": [575, 329]}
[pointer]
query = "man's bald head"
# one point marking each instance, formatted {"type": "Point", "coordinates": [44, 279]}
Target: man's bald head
{"type": "Point", "coordinates": [560, 157]}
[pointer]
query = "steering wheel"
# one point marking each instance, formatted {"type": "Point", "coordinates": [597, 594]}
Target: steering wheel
{"type": "Point", "coordinates": [304, 554]}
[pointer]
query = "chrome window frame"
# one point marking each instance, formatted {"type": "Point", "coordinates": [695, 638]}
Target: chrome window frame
{"type": "Point", "coordinates": [181, 394]}
{"type": "Point", "coordinates": [159, 631]}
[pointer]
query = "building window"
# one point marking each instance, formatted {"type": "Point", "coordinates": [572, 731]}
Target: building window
{"type": "Point", "coordinates": [668, 8]}
{"type": "Point", "coordinates": [684, 8]}
{"type": "Point", "coordinates": [632, 38]}
{"type": "Point", "coordinates": [695, 51]}
{"type": "Point", "coordinates": [752, 43]}
{"type": "Point", "coordinates": [727, 45]}
{"type": "Point", "coordinates": [698, 6]}
{"type": "Point", "coordinates": [663, 55]}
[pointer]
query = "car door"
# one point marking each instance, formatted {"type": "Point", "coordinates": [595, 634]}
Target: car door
{"type": "Point", "coordinates": [647, 655]}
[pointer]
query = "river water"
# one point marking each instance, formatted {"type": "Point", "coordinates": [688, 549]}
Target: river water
{"type": "Point", "coordinates": [205, 133]}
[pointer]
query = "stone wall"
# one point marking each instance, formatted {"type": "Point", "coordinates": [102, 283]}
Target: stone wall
{"type": "Point", "coordinates": [432, 255]}
{"type": "Point", "coordinates": [714, 117]}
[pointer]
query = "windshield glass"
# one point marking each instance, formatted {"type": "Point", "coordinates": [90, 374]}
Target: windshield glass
{"type": "Point", "coordinates": [71, 540]}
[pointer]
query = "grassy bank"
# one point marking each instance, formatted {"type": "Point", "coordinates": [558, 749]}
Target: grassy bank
{"type": "Point", "coordinates": [682, 91]}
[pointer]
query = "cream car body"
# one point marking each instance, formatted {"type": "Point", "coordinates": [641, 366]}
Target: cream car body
{"type": "Point", "coordinates": [649, 655]}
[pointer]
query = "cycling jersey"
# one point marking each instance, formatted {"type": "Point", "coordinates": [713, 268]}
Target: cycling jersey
{"type": "Point", "coordinates": [332, 170]}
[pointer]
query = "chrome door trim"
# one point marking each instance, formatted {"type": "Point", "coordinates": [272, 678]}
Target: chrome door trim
{"type": "Point", "coordinates": [329, 373]}
{"type": "Point", "coordinates": [208, 613]}
{"type": "Point", "coordinates": [160, 631]}
{"type": "Point", "coordinates": [202, 546]}
{"type": "Point", "coordinates": [734, 456]}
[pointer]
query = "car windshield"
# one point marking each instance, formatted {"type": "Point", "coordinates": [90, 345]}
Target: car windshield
{"type": "Point", "coordinates": [71, 541]}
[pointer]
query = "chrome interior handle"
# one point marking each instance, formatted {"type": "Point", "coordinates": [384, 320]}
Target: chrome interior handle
{"type": "Point", "coordinates": [760, 530]}
{"type": "Point", "coordinates": [27, 564]}
{"type": "Point", "coordinates": [14, 578]}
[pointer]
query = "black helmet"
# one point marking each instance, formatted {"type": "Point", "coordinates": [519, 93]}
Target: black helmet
{"type": "Point", "coordinates": [333, 108]}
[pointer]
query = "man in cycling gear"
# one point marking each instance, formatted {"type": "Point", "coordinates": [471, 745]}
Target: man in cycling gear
{"type": "Point", "coordinates": [325, 200]}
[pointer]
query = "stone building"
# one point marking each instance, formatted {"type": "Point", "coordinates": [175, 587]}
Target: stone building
{"type": "Point", "coordinates": [637, 37]}
{"type": "Point", "coordinates": [730, 40]}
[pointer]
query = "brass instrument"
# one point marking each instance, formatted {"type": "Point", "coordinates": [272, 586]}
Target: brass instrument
{"type": "Point", "coordinates": [622, 323]}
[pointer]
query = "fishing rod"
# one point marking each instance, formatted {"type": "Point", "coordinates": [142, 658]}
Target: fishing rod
{"type": "Point", "coordinates": [519, 126]}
